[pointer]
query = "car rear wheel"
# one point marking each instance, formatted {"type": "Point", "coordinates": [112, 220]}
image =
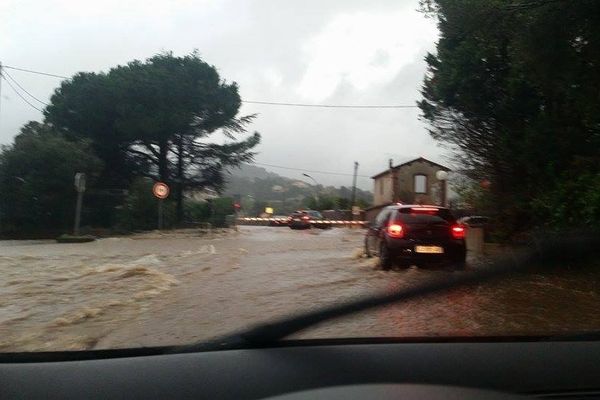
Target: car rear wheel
{"type": "Point", "coordinates": [459, 265]}
{"type": "Point", "coordinates": [460, 262]}
{"type": "Point", "coordinates": [385, 257]}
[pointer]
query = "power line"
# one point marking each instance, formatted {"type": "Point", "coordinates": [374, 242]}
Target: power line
{"type": "Point", "coordinates": [19, 94]}
{"type": "Point", "coordinates": [23, 89]}
{"type": "Point", "coordinates": [309, 170]}
{"type": "Point", "coordinates": [269, 103]}
{"type": "Point", "coordinates": [36, 72]}
{"type": "Point", "coordinates": [272, 103]}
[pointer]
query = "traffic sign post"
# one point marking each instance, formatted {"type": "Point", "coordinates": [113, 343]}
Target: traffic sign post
{"type": "Point", "coordinates": [160, 214]}
{"type": "Point", "coordinates": [80, 188]}
{"type": "Point", "coordinates": [161, 191]}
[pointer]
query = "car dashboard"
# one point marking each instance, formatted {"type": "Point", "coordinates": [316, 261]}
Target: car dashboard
{"type": "Point", "coordinates": [315, 369]}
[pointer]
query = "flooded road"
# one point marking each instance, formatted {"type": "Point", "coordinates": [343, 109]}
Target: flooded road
{"type": "Point", "coordinates": [180, 287]}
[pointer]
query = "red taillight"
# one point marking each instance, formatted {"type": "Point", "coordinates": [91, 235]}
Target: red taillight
{"type": "Point", "coordinates": [424, 209]}
{"type": "Point", "coordinates": [306, 218]}
{"type": "Point", "coordinates": [458, 231]}
{"type": "Point", "coordinates": [395, 230]}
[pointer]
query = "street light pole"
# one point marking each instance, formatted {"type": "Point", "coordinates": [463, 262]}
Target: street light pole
{"type": "Point", "coordinates": [442, 177]}
{"type": "Point", "coordinates": [313, 179]}
{"type": "Point", "coordinates": [316, 194]}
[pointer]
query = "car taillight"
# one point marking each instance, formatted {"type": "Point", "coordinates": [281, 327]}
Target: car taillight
{"type": "Point", "coordinates": [395, 230]}
{"type": "Point", "coordinates": [424, 209]}
{"type": "Point", "coordinates": [305, 218]}
{"type": "Point", "coordinates": [458, 231]}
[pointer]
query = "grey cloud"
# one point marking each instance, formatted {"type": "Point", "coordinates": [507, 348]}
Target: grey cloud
{"type": "Point", "coordinates": [246, 41]}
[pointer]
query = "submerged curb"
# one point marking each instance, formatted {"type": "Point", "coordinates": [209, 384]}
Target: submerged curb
{"type": "Point", "coordinates": [75, 239]}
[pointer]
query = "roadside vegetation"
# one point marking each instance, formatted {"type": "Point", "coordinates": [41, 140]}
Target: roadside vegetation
{"type": "Point", "coordinates": [512, 90]}
{"type": "Point", "coordinates": [137, 123]}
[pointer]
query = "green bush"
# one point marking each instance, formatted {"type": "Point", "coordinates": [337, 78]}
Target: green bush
{"type": "Point", "coordinates": [140, 210]}
{"type": "Point", "coordinates": [197, 211]}
{"type": "Point", "coordinates": [574, 202]}
{"type": "Point", "coordinates": [220, 208]}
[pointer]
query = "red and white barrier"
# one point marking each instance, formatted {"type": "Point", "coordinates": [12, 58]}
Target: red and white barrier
{"type": "Point", "coordinates": [322, 221]}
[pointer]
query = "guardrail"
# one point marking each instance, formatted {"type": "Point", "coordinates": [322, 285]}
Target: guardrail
{"type": "Point", "coordinates": [266, 221]}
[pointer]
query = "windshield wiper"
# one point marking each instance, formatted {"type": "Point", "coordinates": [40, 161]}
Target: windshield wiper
{"type": "Point", "coordinates": [553, 251]}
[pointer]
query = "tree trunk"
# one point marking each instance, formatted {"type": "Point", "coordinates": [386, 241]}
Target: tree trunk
{"type": "Point", "coordinates": [163, 167]}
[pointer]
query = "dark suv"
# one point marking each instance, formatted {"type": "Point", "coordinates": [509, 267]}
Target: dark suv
{"type": "Point", "coordinates": [416, 234]}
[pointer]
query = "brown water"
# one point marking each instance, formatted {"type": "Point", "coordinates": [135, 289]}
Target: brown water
{"type": "Point", "coordinates": [182, 287]}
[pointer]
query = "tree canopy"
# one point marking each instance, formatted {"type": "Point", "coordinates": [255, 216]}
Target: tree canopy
{"type": "Point", "coordinates": [513, 90]}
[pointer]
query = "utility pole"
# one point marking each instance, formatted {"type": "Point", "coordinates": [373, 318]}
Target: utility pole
{"type": "Point", "coordinates": [353, 198]}
{"type": "Point", "coordinates": [393, 182]}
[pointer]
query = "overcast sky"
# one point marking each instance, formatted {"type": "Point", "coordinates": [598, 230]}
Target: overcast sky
{"type": "Point", "coordinates": [304, 51]}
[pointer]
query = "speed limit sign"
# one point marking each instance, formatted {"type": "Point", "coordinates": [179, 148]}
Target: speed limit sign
{"type": "Point", "coordinates": [160, 190]}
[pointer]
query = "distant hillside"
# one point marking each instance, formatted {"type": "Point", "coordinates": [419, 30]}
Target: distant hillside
{"type": "Point", "coordinates": [258, 187]}
{"type": "Point", "coordinates": [252, 171]}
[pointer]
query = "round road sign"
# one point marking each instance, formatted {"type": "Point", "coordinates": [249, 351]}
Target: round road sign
{"type": "Point", "coordinates": [160, 190]}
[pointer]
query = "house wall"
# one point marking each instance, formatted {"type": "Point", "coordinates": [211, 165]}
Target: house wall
{"type": "Point", "coordinates": [405, 183]}
{"type": "Point", "coordinates": [382, 190]}
{"type": "Point", "coordinates": [405, 190]}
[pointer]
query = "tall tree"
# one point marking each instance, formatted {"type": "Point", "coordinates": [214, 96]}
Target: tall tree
{"type": "Point", "coordinates": [157, 116]}
{"type": "Point", "coordinates": [513, 89]}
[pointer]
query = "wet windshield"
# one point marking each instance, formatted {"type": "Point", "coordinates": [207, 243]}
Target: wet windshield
{"type": "Point", "coordinates": [418, 214]}
{"type": "Point", "coordinates": [175, 171]}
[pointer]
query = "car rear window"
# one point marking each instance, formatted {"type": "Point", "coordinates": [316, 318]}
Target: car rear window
{"type": "Point", "coordinates": [424, 215]}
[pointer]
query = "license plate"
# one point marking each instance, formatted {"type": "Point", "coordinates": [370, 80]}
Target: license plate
{"type": "Point", "coordinates": [429, 249]}
{"type": "Point", "coordinates": [296, 219]}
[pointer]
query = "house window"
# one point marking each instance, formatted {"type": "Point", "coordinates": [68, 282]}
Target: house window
{"type": "Point", "coordinates": [381, 187]}
{"type": "Point", "coordinates": [420, 183]}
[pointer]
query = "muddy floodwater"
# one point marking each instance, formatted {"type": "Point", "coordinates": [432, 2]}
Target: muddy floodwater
{"type": "Point", "coordinates": [182, 287]}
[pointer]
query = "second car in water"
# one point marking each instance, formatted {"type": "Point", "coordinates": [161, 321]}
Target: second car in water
{"type": "Point", "coordinates": [305, 219]}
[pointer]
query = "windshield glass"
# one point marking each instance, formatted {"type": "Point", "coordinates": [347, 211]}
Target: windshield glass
{"type": "Point", "coordinates": [421, 214]}
{"type": "Point", "coordinates": [173, 171]}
